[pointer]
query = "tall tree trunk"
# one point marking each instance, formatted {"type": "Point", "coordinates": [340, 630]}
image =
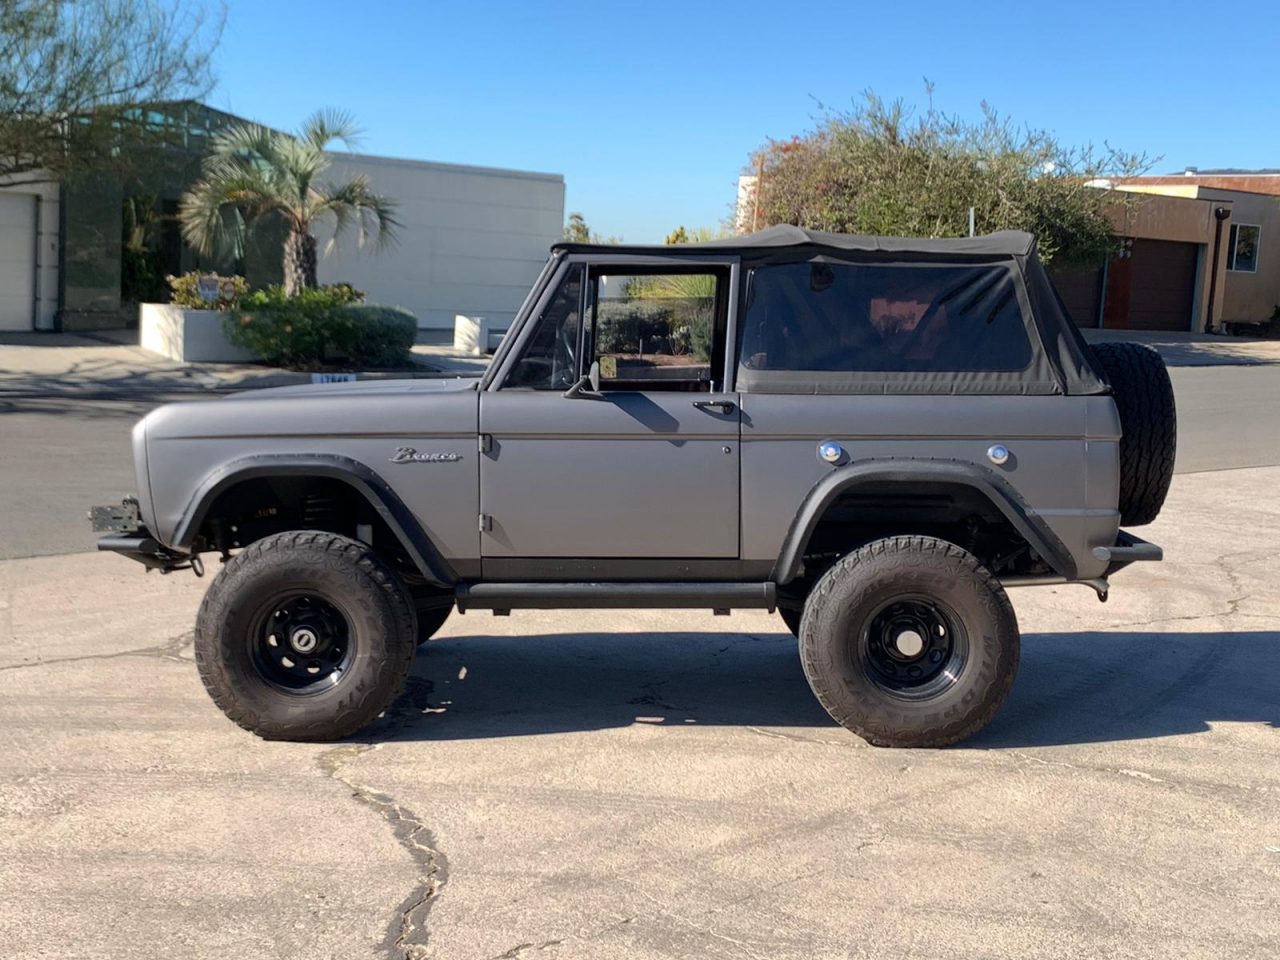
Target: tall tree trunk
{"type": "Point", "coordinates": [299, 262]}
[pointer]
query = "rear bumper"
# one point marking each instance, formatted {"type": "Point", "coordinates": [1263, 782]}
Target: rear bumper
{"type": "Point", "coordinates": [1126, 550]}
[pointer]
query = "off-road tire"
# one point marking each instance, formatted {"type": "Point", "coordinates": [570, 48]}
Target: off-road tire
{"type": "Point", "coordinates": [1143, 396]}
{"type": "Point", "coordinates": [348, 574]}
{"type": "Point", "coordinates": [835, 638]}
{"type": "Point", "coordinates": [791, 617]}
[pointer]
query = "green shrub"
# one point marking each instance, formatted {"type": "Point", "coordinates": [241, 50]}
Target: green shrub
{"type": "Point", "coordinates": [375, 336]}
{"type": "Point", "coordinates": [319, 326]}
{"type": "Point", "coordinates": [674, 325]}
{"type": "Point", "coordinates": [621, 325]}
{"type": "Point", "coordinates": [186, 291]}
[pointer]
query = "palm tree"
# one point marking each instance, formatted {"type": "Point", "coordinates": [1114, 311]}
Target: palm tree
{"type": "Point", "coordinates": [253, 171]}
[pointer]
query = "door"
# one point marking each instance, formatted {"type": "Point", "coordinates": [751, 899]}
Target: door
{"type": "Point", "coordinates": [17, 260]}
{"type": "Point", "coordinates": [1164, 284]}
{"type": "Point", "coordinates": [1080, 287]}
{"type": "Point", "coordinates": [647, 467]}
{"type": "Point", "coordinates": [1119, 290]}
{"type": "Point", "coordinates": [1151, 286]}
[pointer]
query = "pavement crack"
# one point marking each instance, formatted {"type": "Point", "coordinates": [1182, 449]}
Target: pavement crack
{"type": "Point", "coordinates": [407, 933]}
{"type": "Point", "coordinates": [1226, 565]}
{"type": "Point", "coordinates": [744, 946]}
{"type": "Point", "coordinates": [654, 698]}
{"type": "Point", "coordinates": [1200, 787]}
{"type": "Point", "coordinates": [795, 738]}
{"type": "Point", "coordinates": [170, 649]}
{"type": "Point", "coordinates": [520, 948]}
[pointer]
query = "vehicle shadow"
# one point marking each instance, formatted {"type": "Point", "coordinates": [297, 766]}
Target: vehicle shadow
{"type": "Point", "coordinates": [1096, 687]}
{"type": "Point", "coordinates": [1072, 687]}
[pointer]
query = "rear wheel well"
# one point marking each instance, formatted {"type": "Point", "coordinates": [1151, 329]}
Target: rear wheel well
{"type": "Point", "coordinates": [259, 507]}
{"type": "Point", "coordinates": [954, 512]}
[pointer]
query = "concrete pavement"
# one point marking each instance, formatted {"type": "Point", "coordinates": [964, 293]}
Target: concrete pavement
{"type": "Point", "coordinates": [657, 784]}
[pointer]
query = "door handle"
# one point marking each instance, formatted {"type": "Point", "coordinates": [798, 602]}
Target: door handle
{"type": "Point", "coordinates": [726, 407]}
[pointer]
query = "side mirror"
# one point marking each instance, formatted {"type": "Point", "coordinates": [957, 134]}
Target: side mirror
{"type": "Point", "coordinates": [588, 384]}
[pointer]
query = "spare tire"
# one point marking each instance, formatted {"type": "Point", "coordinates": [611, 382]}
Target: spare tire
{"type": "Point", "coordinates": [1143, 396]}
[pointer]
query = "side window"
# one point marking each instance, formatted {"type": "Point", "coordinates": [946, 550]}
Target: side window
{"type": "Point", "coordinates": [654, 330]}
{"type": "Point", "coordinates": [876, 318]}
{"type": "Point", "coordinates": [1242, 248]}
{"type": "Point", "coordinates": [550, 357]}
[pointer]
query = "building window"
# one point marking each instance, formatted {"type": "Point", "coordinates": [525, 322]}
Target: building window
{"type": "Point", "coordinates": [1242, 249]}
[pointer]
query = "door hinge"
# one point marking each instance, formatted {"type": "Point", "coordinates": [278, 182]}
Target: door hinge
{"type": "Point", "coordinates": [486, 523]}
{"type": "Point", "coordinates": [486, 443]}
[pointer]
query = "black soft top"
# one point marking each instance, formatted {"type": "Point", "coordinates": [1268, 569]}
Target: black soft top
{"type": "Point", "coordinates": [1060, 358]}
{"type": "Point", "coordinates": [1006, 243]}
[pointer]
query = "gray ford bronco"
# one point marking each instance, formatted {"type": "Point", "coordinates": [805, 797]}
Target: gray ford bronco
{"type": "Point", "coordinates": [873, 436]}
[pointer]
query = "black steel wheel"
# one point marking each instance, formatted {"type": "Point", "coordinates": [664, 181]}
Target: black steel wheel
{"type": "Point", "coordinates": [305, 636]}
{"type": "Point", "coordinates": [910, 642]}
{"type": "Point", "coordinates": [915, 647]}
{"type": "Point", "coordinates": [301, 643]}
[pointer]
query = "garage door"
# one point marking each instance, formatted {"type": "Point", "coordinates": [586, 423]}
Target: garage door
{"type": "Point", "coordinates": [1151, 286]}
{"type": "Point", "coordinates": [17, 259]}
{"type": "Point", "coordinates": [1162, 285]}
{"type": "Point", "coordinates": [1080, 288]}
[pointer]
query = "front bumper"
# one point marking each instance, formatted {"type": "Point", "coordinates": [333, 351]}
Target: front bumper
{"type": "Point", "coordinates": [129, 537]}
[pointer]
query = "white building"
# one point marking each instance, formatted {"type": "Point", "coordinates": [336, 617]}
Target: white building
{"type": "Point", "coordinates": [471, 240]}
{"type": "Point", "coordinates": [28, 256]}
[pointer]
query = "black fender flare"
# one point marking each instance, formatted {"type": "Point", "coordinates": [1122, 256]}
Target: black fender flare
{"type": "Point", "coordinates": [355, 474]}
{"type": "Point", "coordinates": [1002, 494]}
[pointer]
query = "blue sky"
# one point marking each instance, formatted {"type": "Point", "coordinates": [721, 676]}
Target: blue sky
{"type": "Point", "coordinates": [651, 109]}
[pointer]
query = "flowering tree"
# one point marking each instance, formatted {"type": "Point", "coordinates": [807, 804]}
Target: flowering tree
{"type": "Point", "coordinates": [882, 169]}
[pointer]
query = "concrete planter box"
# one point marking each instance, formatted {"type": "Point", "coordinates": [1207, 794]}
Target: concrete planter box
{"type": "Point", "coordinates": [472, 336]}
{"type": "Point", "coordinates": [188, 336]}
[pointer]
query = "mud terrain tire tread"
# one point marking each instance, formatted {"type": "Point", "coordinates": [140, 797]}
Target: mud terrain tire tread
{"type": "Point", "coordinates": [385, 629]}
{"type": "Point", "coordinates": [1143, 396]}
{"type": "Point", "coordinates": [852, 588]}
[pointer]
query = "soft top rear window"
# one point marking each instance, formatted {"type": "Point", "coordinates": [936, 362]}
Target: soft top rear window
{"type": "Point", "coordinates": [875, 318]}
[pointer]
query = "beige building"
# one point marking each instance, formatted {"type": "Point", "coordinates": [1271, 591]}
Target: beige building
{"type": "Point", "coordinates": [1196, 252]}
{"type": "Point", "coordinates": [1251, 258]}
{"type": "Point", "coordinates": [1168, 270]}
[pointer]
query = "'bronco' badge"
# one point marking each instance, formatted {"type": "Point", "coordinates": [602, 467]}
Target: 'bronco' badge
{"type": "Point", "coordinates": [410, 455]}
